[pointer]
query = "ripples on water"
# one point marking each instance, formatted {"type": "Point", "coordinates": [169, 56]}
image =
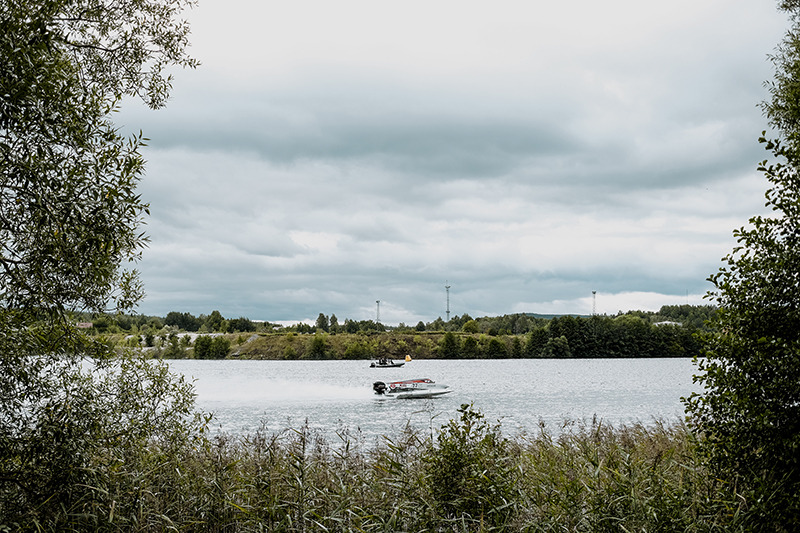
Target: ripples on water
{"type": "Point", "coordinates": [332, 395]}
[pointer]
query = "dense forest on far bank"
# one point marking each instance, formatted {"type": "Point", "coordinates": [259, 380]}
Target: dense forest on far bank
{"type": "Point", "coordinates": [666, 333]}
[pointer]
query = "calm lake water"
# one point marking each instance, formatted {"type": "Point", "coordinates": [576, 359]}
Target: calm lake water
{"type": "Point", "coordinates": [332, 395]}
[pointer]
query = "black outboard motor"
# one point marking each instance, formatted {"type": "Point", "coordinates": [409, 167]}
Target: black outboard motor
{"type": "Point", "coordinates": [379, 387]}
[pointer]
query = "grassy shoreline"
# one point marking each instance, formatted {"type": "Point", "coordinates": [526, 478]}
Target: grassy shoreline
{"type": "Point", "coordinates": [345, 346]}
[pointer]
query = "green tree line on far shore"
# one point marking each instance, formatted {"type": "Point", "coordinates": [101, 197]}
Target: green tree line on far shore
{"type": "Point", "coordinates": [671, 332]}
{"type": "Point", "coordinates": [691, 316]}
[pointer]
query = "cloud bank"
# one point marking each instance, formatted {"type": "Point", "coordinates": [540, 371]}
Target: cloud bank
{"type": "Point", "coordinates": [326, 156]}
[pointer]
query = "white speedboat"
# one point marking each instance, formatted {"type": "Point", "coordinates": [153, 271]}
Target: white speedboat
{"type": "Point", "coordinates": [410, 388]}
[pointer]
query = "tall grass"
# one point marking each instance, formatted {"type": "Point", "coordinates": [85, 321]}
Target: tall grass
{"type": "Point", "coordinates": [467, 477]}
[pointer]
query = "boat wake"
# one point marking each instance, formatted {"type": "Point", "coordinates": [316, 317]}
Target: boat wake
{"type": "Point", "coordinates": [278, 391]}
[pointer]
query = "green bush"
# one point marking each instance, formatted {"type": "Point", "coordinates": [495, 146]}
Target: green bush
{"type": "Point", "coordinates": [316, 347]}
{"type": "Point", "coordinates": [289, 353]}
{"type": "Point", "coordinates": [749, 412]}
{"type": "Point", "coordinates": [359, 350]}
{"type": "Point", "coordinates": [495, 349]}
{"type": "Point", "coordinates": [220, 347]}
{"type": "Point", "coordinates": [470, 349]}
{"type": "Point", "coordinates": [173, 350]}
{"type": "Point", "coordinates": [202, 347]}
{"type": "Point", "coordinates": [471, 326]}
{"type": "Point", "coordinates": [449, 346]}
{"type": "Point", "coordinates": [470, 472]}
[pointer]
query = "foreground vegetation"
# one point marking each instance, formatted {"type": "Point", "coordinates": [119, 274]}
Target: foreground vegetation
{"type": "Point", "coordinates": [468, 477]}
{"type": "Point", "coordinates": [91, 440]}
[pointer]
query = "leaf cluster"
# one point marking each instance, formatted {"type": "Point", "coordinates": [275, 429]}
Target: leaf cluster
{"type": "Point", "coordinates": [72, 417]}
{"type": "Point", "coordinates": [749, 415]}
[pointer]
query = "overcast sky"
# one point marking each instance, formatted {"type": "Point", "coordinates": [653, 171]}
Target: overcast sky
{"type": "Point", "coordinates": [330, 154]}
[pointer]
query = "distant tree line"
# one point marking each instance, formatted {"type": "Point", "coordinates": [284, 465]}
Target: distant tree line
{"type": "Point", "coordinates": [182, 321]}
{"type": "Point", "coordinates": [668, 332]}
{"type": "Point", "coordinates": [692, 316]}
{"type": "Point", "coordinates": [577, 337]}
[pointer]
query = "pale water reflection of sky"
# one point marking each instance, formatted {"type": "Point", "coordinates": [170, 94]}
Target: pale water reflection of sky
{"type": "Point", "coordinates": [330, 395]}
{"type": "Point", "coordinates": [331, 154]}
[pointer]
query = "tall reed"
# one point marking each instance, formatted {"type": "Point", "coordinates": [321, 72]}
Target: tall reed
{"type": "Point", "coordinates": [465, 477]}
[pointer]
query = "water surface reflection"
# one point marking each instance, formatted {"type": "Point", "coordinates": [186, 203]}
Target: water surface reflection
{"type": "Point", "coordinates": [332, 395]}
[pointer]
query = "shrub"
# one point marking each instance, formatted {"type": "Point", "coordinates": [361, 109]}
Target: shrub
{"type": "Point", "coordinates": [316, 347]}
{"type": "Point", "coordinates": [470, 473]}
{"type": "Point", "coordinates": [471, 326]}
{"type": "Point", "coordinates": [470, 349]}
{"type": "Point", "coordinates": [495, 349]}
{"type": "Point", "coordinates": [220, 347]}
{"type": "Point", "coordinates": [358, 350]}
{"type": "Point", "coordinates": [289, 353]}
{"type": "Point", "coordinates": [202, 347]}
{"type": "Point", "coordinates": [173, 350]}
{"type": "Point", "coordinates": [449, 346]}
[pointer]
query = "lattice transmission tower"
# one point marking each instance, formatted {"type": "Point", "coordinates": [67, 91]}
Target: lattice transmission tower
{"type": "Point", "coordinates": [447, 288]}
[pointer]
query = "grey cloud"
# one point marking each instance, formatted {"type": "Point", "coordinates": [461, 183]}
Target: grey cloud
{"type": "Point", "coordinates": [614, 170]}
{"type": "Point", "coordinates": [413, 151]}
{"type": "Point", "coordinates": [438, 146]}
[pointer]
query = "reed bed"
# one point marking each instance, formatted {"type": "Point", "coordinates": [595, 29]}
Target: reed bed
{"type": "Point", "coordinates": [466, 477]}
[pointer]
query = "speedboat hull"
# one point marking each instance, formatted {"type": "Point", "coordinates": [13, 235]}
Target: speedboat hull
{"type": "Point", "coordinates": [422, 393]}
{"type": "Point", "coordinates": [410, 388]}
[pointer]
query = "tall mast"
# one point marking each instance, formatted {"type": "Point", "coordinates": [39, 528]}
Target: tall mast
{"type": "Point", "coordinates": [447, 288]}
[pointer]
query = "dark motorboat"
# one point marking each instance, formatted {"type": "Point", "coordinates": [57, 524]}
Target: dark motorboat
{"type": "Point", "coordinates": [385, 363]}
